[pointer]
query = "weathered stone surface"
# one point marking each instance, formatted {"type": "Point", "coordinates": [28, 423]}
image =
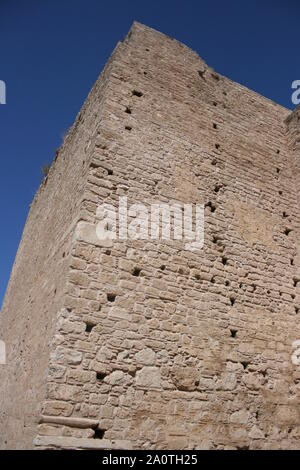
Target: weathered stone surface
{"type": "Point", "coordinates": [67, 356]}
{"type": "Point", "coordinates": [87, 233]}
{"type": "Point", "coordinates": [240, 417]}
{"type": "Point", "coordinates": [148, 377]}
{"type": "Point", "coordinates": [185, 378]}
{"type": "Point", "coordinates": [287, 415]}
{"type": "Point", "coordinates": [144, 340]}
{"type": "Point", "coordinates": [118, 378]}
{"type": "Point", "coordinates": [57, 408]}
{"type": "Point", "coordinates": [50, 442]}
{"type": "Point", "coordinates": [256, 433]}
{"type": "Point", "coordinates": [73, 422]}
{"type": "Point", "coordinates": [146, 357]}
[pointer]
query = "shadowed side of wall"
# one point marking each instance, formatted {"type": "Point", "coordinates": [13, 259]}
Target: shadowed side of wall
{"type": "Point", "coordinates": [38, 280]}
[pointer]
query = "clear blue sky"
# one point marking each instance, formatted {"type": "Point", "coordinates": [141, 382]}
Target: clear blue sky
{"type": "Point", "coordinates": [53, 50]}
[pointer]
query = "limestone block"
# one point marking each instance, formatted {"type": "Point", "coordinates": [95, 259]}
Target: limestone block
{"type": "Point", "coordinates": [146, 357]}
{"type": "Point", "coordinates": [57, 408]}
{"type": "Point", "coordinates": [67, 356]}
{"type": "Point", "coordinates": [185, 378]}
{"type": "Point", "coordinates": [148, 377]}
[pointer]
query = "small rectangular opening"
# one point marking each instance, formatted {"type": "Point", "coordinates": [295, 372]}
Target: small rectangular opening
{"type": "Point", "coordinates": [99, 433]}
{"type": "Point", "coordinates": [111, 297]}
{"type": "Point", "coordinates": [89, 326]}
{"type": "Point", "coordinates": [100, 376]}
{"type": "Point", "coordinates": [137, 93]}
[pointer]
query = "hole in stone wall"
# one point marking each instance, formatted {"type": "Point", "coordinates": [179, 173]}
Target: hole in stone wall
{"type": "Point", "coordinates": [232, 300]}
{"type": "Point", "coordinates": [99, 433]}
{"type": "Point", "coordinates": [217, 146]}
{"type": "Point", "coordinates": [100, 376]}
{"type": "Point", "coordinates": [280, 193]}
{"type": "Point", "coordinates": [211, 206]}
{"type": "Point", "coordinates": [201, 73]}
{"type": "Point", "coordinates": [278, 170]}
{"type": "Point", "coordinates": [296, 310]}
{"type": "Point", "coordinates": [128, 128]}
{"type": "Point", "coordinates": [108, 252]}
{"type": "Point", "coordinates": [213, 280]}
{"type": "Point", "coordinates": [295, 280]}
{"type": "Point", "coordinates": [89, 326]}
{"type": "Point", "coordinates": [292, 261]}
{"type": "Point", "coordinates": [278, 152]}
{"type": "Point", "coordinates": [245, 364]}
{"type": "Point", "coordinates": [215, 126]}
{"type": "Point", "coordinates": [163, 267]}
{"type": "Point", "coordinates": [224, 260]}
{"type": "Point", "coordinates": [111, 297]}
{"type": "Point", "coordinates": [215, 103]}
{"type": "Point", "coordinates": [136, 272]}
{"type": "Point", "coordinates": [287, 231]}
{"type": "Point", "coordinates": [227, 283]}
{"type": "Point", "coordinates": [215, 76]}
{"type": "Point", "coordinates": [128, 110]}
{"type": "Point", "coordinates": [284, 215]}
{"type": "Point", "coordinates": [233, 333]}
{"type": "Point", "coordinates": [197, 277]}
{"type": "Point", "coordinates": [110, 172]}
{"type": "Point", "coordinates": [254, 287]}
{"type": "Point", "coordinates": [214, 162]}
{"type": "Point", "coordinates": [137, 93]}
{"type": "Point", "coordinates": [217, 188]}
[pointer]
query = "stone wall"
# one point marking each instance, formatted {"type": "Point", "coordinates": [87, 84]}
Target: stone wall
{"type": "Point", "coordinates": [38, 280]}
{"type": "Point", "coordinates": [156, 346]}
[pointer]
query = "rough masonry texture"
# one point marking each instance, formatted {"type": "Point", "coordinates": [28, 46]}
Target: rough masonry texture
{"type": "Point", "coordinates": [144, 344]}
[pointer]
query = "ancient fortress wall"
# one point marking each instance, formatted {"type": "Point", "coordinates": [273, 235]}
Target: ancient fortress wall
{"type": "Point", "coordinates": [153, 345]}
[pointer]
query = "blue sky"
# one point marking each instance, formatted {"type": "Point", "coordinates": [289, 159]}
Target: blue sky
{"type": "Point", "coordinates": [52, 51]}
